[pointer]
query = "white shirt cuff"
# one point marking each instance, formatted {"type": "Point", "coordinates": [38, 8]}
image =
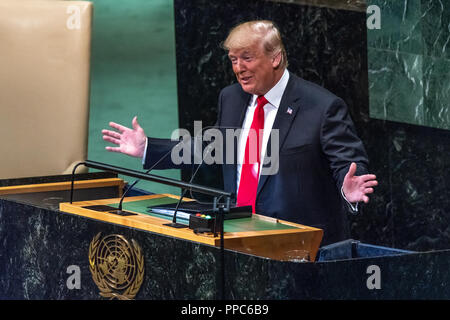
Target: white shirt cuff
{"type": "Point", "coordinates": [145, 151]}
{"type": "Point", "coordinates": [354, 207]}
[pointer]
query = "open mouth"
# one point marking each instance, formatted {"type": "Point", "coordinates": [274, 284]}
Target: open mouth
{"type": "Point", "coordinates": [245, 80]}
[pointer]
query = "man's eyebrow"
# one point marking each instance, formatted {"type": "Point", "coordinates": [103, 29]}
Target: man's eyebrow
{"type": "Point", "coordinates": [246, 52]}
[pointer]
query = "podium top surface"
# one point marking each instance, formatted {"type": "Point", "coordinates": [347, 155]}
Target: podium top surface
{"type": "Point", "coordinates": [232, 225]}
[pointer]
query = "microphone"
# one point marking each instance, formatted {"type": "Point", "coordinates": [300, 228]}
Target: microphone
{"type": "Point", "coordinates": [119, 210]}
{"type": "Point", "coordinates": [174, 223]}
{"type": "Point", "coordinates": [206, 151]}
{"type": "Point", "coordinates": [233, 193]}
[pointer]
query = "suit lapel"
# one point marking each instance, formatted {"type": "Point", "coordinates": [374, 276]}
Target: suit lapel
{"type": "Point", "coordinates": [236, 119]}
{"type": "Point", "coordinates": [287, 111]}
{"type": "Point", "coordinates": [244, 104]}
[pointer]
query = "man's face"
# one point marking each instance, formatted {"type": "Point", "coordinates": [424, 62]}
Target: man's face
{"type": "Point", "coordinates": [254, 70]}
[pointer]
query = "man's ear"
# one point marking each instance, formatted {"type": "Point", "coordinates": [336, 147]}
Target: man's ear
{"type": "Point", "coordinates": [276, 60]}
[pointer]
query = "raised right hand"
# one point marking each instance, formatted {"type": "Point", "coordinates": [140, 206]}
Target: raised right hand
{"type": "Point", "coordinates": [129, 141]}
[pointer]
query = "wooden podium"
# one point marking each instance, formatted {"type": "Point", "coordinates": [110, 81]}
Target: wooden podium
{"type": "Point", "coordinates": [257, 235]}
{"type": "Point", "coordinates": [44, 237]}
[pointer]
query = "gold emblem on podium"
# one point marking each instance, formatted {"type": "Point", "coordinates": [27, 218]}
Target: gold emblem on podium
{"type": "Point", "coordinates": [117, 266]}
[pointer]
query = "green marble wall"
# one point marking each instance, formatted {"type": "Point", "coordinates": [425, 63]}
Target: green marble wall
{"type": "Point", "coordinates": [409, 63]}
{"type": "Point", "coordinates": [133, 72]}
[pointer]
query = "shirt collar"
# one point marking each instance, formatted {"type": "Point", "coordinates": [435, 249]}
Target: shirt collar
{"type": "Point", "coordinates": [275, 94]}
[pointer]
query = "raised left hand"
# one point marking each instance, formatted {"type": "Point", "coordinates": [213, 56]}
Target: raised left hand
{"type": "Point", "coordinates": [356, 188]}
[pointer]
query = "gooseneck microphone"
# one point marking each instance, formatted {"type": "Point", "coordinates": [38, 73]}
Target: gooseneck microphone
{"type": "Point", "coordinates": [174, 223]}
{"type": "Point", "coordinates": [119, 208]}
{"type": "Point", "coordinates": [208, 150]}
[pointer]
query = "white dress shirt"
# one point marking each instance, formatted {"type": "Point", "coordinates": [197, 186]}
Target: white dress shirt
{"type": "Point", "coordinates": [273, 97]}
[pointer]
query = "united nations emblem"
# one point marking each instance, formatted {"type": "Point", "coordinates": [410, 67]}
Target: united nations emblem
{"type": "Point", "coordinates": [117, 266]}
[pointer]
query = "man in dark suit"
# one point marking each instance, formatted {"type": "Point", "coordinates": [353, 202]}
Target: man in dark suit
{"type": "Point", "coordinates": [321, 164]}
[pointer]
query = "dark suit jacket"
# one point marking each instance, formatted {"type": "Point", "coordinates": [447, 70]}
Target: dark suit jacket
{"type": "Point", "coordinates": [317, 143]}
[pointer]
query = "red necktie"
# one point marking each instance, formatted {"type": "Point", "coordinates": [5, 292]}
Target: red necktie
{"type": "Point", "coordinates": [248, 184]}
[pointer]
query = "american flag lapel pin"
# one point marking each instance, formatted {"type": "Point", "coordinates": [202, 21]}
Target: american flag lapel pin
{"type": "Point", "coordinates": [289, 110]}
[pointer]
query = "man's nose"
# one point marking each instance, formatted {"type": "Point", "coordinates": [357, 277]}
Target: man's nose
{"type": "Point", "coordinates": [239, 66]}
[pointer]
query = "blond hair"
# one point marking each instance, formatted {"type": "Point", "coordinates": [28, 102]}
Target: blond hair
{"type": "Point", "coordinates": [258, 31]}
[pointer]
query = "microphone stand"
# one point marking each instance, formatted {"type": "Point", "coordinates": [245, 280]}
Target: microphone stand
{"type": "Point", "coordinates": [220, 210]}
{"type": "Point", "coordinates": [174, 223]}
{"type": "Point", "coordinates": [73, 180]}
{"type": "Point", "coordinates": [119, 209]}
